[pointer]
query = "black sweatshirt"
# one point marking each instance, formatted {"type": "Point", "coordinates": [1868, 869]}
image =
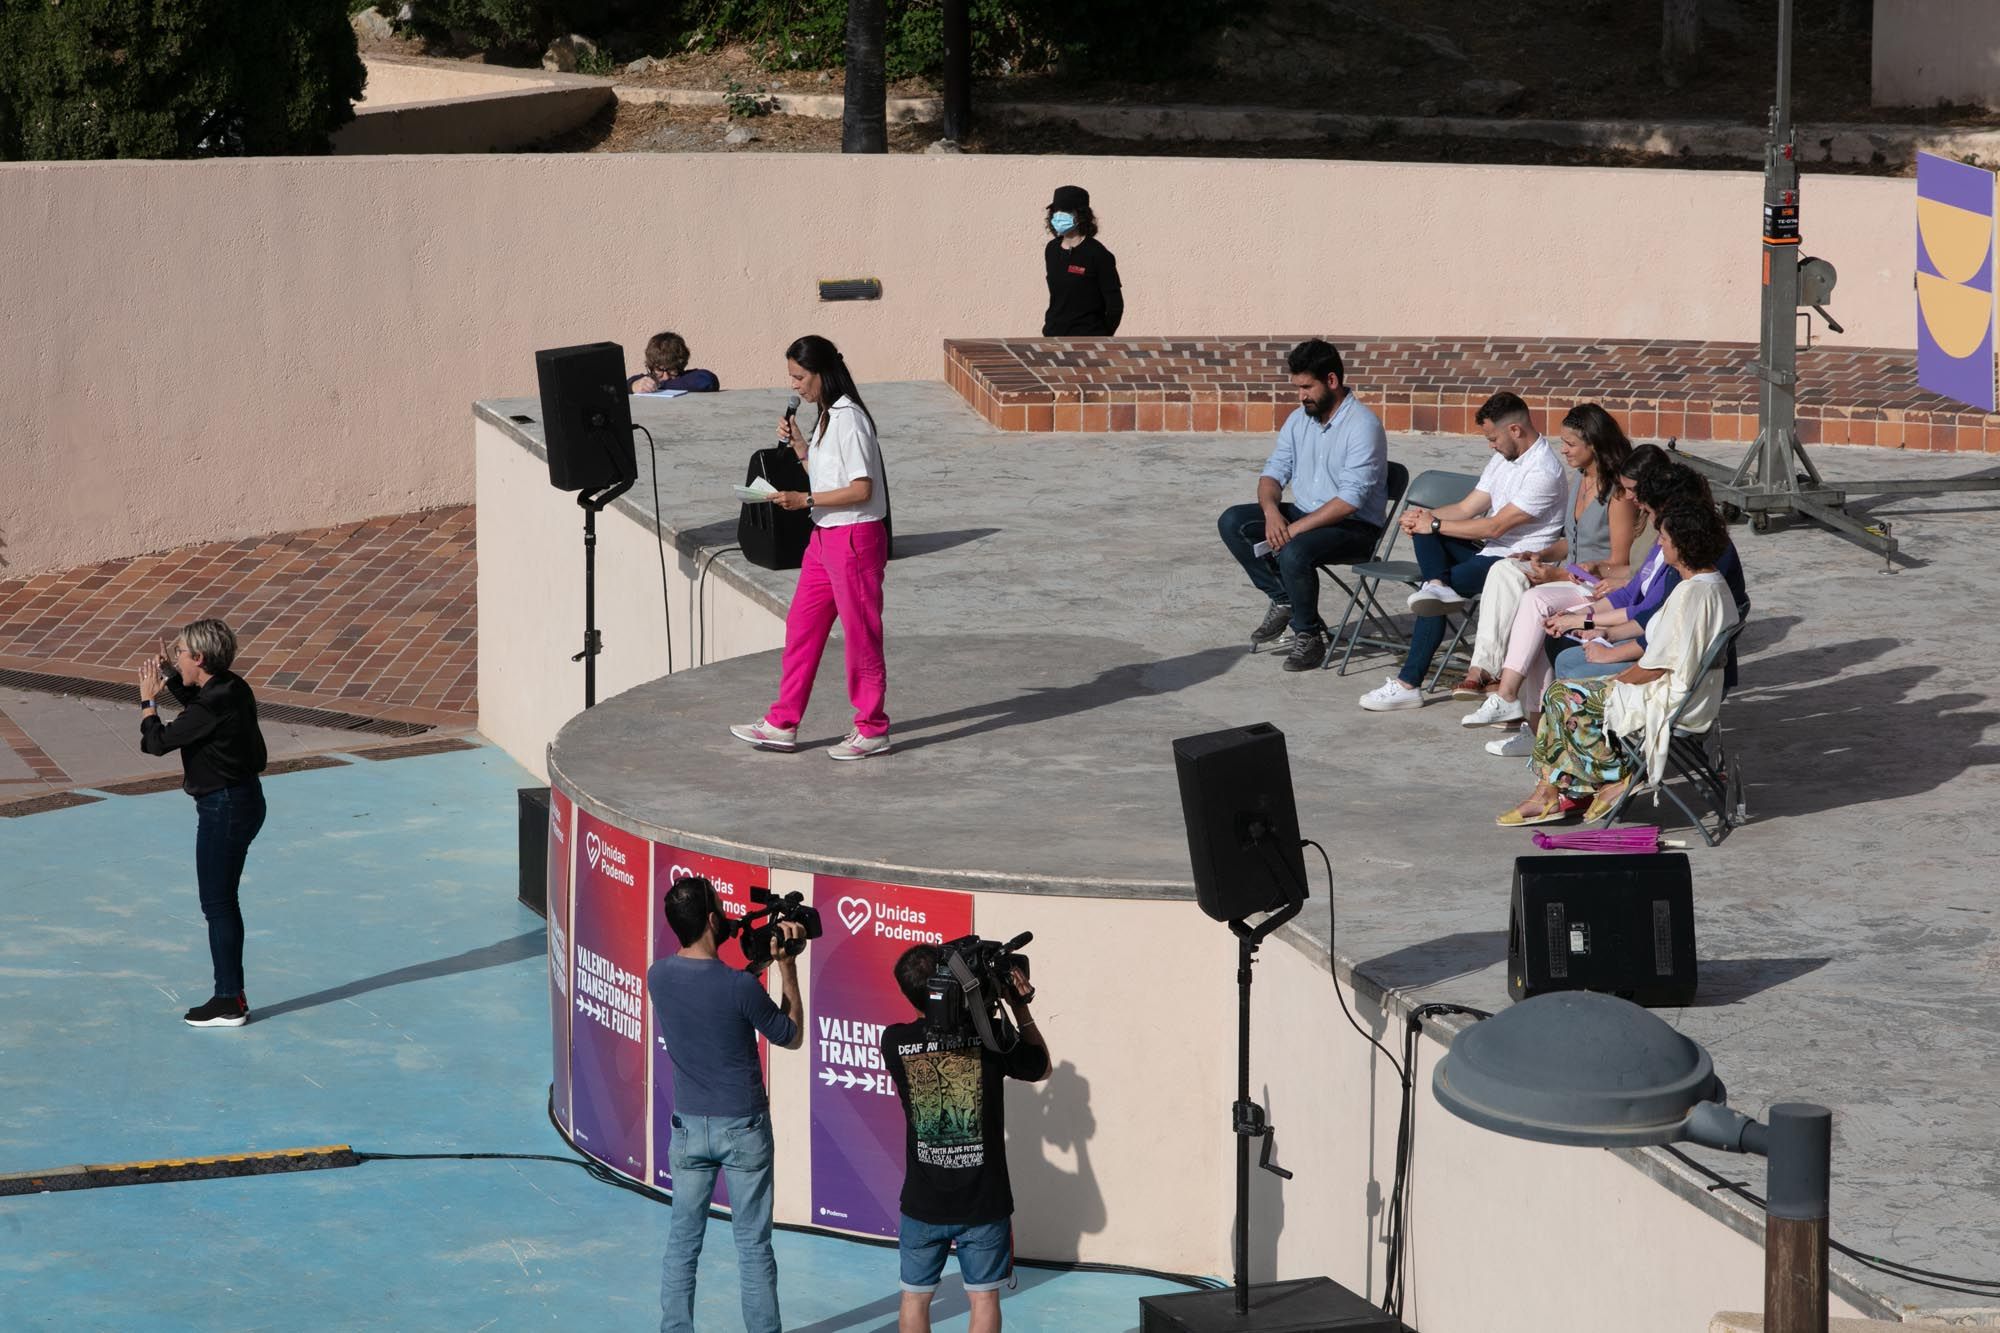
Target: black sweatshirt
{"type": "Point", "coordinates": [1085, 300]}
{"type": "Point", "coordinates": [216, 733]}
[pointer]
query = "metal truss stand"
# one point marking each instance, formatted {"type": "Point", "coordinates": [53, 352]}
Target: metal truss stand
{"type": "Point", "coordinates": [1776, 476]}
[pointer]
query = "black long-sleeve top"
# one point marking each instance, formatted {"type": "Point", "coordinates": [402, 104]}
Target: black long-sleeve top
{"type": "Point", "coordinates": [216, 733]}
{"type": "Point", "coordinates": [1085, 299]}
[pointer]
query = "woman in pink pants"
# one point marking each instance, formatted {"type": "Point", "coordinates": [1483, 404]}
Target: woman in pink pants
{"type": "Point", "coordinates": [841, 577]}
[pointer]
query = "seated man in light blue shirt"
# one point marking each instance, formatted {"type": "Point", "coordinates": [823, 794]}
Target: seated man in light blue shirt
{"type": "Point", "coordinates": [1334, 455]}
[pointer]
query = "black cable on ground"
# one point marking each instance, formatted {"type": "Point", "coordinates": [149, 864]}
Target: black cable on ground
{"type": "Point", "coordinates": [1406, 1151]}
{"type": "Point", "coordinates": [660, 537]}
{"type": "Point", "coordinates": [1351, 1019]}
{"type": "Point", "coordinates": [1926, 1277]}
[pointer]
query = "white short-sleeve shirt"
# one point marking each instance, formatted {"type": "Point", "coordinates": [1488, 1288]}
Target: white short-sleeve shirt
{"type": "Point", "coordinates": [842, 453]}
{"type": "Point", "coordinates": [1534, 483]}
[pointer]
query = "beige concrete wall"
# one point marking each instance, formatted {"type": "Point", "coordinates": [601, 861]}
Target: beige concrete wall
{"type": "Point", "coordinates": [218, 349]}
{"type": "Point", "coordinates": [393, 81]}
{"type": "Point", "coordinates": [1506, 1236]}
{"type": "Point", "coordinates": [430, 106]}
{"type": "Point", "coordinates": [1931, 51]}
{"type": "Point", "coordinates": [531, 558]}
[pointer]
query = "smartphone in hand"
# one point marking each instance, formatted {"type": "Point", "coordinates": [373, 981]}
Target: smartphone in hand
{"type": "Point", "coordinates": [1582, 575]}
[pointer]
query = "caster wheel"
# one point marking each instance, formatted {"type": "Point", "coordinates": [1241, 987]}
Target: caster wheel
{"type": "Point", "coordinates": [1730, 513]}
{"type": "Point", "coordinates": [1760, 523]}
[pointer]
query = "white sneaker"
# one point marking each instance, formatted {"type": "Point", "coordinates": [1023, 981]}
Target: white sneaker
{"type": "Point", "coordinates": [1514, 745]}
{"type": "Point", "coordinates": [1391, 695]}
{"type": "Point", "coordinates": [1492, 711]}
{"type": "Point", "coordinates": [1434, 599]}
{"type": "Point", "coordinates": [766, 737]}
{"type": "Point", "coordinates": [858, 746]}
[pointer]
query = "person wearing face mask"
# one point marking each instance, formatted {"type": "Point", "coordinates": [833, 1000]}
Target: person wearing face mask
{"type": "Point", "coordinates": [1085, 300]}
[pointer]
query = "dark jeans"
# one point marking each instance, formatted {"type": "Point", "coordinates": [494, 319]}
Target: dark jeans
{"type": "Point", "coordinates": [1449, 560]}
{"type": "Point", "coordinates": [1291, 577]}
{"type": "Point", "coordinates": [226, 822]}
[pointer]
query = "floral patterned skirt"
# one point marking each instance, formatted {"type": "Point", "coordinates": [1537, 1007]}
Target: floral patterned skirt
{"type": "Point", "coordinates": [1572, 749]}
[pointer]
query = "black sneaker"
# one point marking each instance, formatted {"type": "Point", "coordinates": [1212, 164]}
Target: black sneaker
{"type": "Point", "coordinates": [1275, 622]}
{"type": "Point", "coordinates": [1308, 651]}
{"type": "Point", "coordinates": [222, 1011]}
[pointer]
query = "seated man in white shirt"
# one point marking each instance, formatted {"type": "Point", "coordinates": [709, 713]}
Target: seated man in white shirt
{"type": "Point", "coordinates": [1517, 506]}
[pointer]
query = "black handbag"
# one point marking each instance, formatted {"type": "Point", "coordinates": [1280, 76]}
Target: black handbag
{"type": "Point", "coordinates": [771, 537]}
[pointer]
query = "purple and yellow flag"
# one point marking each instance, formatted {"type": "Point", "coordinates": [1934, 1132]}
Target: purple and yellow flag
{"type": "Point", "coordinates": [1955, 280]}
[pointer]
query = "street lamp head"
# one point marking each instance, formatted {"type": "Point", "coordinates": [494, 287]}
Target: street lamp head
{"type": "Point", "coordinates": [1578, 1068]}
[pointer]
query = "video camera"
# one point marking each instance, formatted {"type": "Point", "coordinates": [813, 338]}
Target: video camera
{"type": "Point", "coordinates": [965, 993]}
{"type": "Point", "coordinates": [758, 926]}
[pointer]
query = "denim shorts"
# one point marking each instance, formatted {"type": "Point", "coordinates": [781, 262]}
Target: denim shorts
{"type": "Point", "coordinates": [985, 1253]}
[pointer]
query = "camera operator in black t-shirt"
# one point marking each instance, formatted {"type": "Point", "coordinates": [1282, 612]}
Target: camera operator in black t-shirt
{"type": "Point", "coordinates": [955, 1185]}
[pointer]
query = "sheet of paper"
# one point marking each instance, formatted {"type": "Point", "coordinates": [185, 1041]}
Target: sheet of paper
{"type": "Point", "coordinates": [759, 491]}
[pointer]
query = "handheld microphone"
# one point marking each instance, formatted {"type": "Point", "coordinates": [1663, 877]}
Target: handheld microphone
{"type": "Point", "coordinates": [791, 410]}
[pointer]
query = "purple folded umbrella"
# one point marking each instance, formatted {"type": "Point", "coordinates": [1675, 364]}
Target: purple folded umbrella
{"type": "Point", "coordinates": [1632, 838]}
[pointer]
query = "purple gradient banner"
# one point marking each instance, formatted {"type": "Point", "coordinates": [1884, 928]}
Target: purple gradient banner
{"type": "Point", "coordinates": [559, 960]}
{"type": "Point", "coordinates": [857, 1123]}
{"type": "Point", "coordinates": [608, 1020]}
{"type": "Point", "coordinates": [1955, 280]}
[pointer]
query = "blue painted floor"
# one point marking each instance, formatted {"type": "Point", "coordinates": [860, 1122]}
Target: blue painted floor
{"type": "Point", "coordinates": [401, 1006]}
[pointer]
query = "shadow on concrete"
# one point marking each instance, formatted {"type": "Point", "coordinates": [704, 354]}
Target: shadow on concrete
{"type": "Point", "coordinates": [1862, 741]}
{"type": "Point", "coordinates": [1431, 961]}
{"type": "Point", "coordinates": [1729, 980]}
{"type": "Point", "coordinates": [947, 1303]}
{"type": "Point", "coordinates": [930, 543]}
{"type": "Point", "coordinates": [1808, 666]}
{"type": "Point", "coordinates": [1267, 1194]}
{"type": "Point", "coordinates": [1067, 1205]}
{"type": "Point", "coordinates": [533, 944]}
{"type": "Point", "coordinates": [1045, 704]}
{"type": "Point", "coordinates": [1764, 633]}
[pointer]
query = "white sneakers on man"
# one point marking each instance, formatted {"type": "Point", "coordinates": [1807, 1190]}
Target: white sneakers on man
{"type": "Point", "coordinates": [1391, 695]}
{"type": "Point", "coordinates": [1435, 599]}
{"type": "Point", "coordinates": [1517, 744]}
{"type": "Point", "coordinates": [1492, 711]}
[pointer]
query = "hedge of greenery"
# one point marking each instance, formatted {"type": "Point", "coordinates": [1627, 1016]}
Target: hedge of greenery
{"type": "Point", "coordinates": [1129, 38]}
{"type": "Point", "coordinates": [174, 78]}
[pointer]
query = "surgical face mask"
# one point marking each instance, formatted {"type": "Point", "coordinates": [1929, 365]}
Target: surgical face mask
{"type": "Point", "coordinates": [1064, 223]}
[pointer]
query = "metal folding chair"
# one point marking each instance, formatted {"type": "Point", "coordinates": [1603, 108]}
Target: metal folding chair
{"type": "Point", "coordinates": [1398, 483]}
{"type": "Point", "coordinates": [1697, 757]}
{"type": "Point", "coordinates": [1431, 490]}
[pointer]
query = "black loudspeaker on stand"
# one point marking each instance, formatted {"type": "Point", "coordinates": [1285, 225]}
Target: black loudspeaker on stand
{"type": "Point", "coordinates": [587, 425]}
{"type": "Point", "coordinates": [1620, 924]}
{"type": "Point", "coordinates": [1243, 844]}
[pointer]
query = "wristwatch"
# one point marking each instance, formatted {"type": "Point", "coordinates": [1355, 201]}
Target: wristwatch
{"type": "Point", "coordinates": [1590, 619]}
{"type": "Point", "coordinates": [1436, 523]}
{"type": "Point", "coordinates": [809, 502]}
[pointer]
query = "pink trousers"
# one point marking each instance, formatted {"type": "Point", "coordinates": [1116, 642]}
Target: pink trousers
{"type": "Point", "coordinates": [841, 578]}
{"type": "Point", "coordinates": [1524, 637]}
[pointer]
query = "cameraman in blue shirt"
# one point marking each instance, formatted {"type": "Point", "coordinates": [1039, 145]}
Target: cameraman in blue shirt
{"type": "Point", "coordinates": [1334, 455]}
{"type": "Point", "coordinates": [709, 1015]}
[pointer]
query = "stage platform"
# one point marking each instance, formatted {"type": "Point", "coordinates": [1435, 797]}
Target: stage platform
{"type": "Point", "coordinates": [1061, 610]}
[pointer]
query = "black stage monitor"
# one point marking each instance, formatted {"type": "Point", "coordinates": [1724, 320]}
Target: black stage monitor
{"type": "Point", "coordinates": [586, 416]}
{"type": "Point", "coordinates": [1243, 830]}
{"type": "Point", "coordinates": [1620, 924]}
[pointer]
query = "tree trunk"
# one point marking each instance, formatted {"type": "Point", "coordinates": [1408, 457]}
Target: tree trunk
{"type": "Point", "coordinates": [957, 69]}
{"type": "Point", "coordinates": [1680, 41]}
{"type": "Point", "coordinates": [864, 118]}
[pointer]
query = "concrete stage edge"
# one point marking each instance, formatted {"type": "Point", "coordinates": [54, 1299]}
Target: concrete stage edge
{"type": "Point", "coordinates": [1034, 776]}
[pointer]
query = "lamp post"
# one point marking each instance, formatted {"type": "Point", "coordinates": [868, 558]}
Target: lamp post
{"type": "Point", "coordinates": [1590, 1070]}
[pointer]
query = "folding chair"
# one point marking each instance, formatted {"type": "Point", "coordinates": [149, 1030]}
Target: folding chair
{"type": "Point", "coordinates": [1397, 483]}
{"type": "Point", "coordinates": [1699, 757]}
{"type": "Point", "coordinates": [1431, 490]}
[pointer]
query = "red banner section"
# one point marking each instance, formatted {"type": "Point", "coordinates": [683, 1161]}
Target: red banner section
{"type": "Point", "coordinates": [857, 1122]}
{"type": "Point", "coordinates": [733, 881]}
{"type": "Point", "coordinates": [559, 961]}
{"type": "Point", "coordinates": [613, 875]}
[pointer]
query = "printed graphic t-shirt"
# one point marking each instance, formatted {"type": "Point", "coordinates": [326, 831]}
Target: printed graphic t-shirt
{"type": "Point", "coordinates": [955, 1154]}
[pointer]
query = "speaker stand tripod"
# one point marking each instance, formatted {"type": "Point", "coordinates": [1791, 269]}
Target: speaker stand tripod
{"type": "Point", "coordinates": [591, 502]}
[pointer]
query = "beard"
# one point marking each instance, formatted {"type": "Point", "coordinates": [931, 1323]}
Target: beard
{"type": "Point", "coordinates": [1320, 402]}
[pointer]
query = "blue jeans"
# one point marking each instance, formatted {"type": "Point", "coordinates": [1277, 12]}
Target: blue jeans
{"type": "Point", "coordinates": [1453, 561]}
{"type": "Point", "coordinates": [740, 1146]}
{"type": "Point", "coordinates": [985, 1253]}
{"type": "Point", "coordinates": [226, 822]}
{"type": "Point", "coordinates": [1291, 577]}
{"type": "Point", "coordinates": [1571, 664]}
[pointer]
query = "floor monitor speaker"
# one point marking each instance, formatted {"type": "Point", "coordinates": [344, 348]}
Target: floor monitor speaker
{"type": "Point", "coordinates": [586, 416]}
{"type": "Point", "coordinates": [534, 844]}
{"type": "Point", "coordinates": [1242, 827]}
{"type": "Point", "coordinates": [1620, 924]}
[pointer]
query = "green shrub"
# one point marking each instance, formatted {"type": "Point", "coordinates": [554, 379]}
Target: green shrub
{"type": "Point", "coordinates": [174, 78]}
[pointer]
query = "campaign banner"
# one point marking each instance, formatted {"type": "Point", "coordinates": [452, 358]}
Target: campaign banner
{"type": "Point", "coordinates": [1955, 280]}
{"type": "Point", "coordinates": [612, 881]}
{"type": "Point", "coordinates": [857, 1122]}
{"type": "Point", "coordinates": [733, 881]}
{"type": "Point", "coordinates": [559, 961]}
